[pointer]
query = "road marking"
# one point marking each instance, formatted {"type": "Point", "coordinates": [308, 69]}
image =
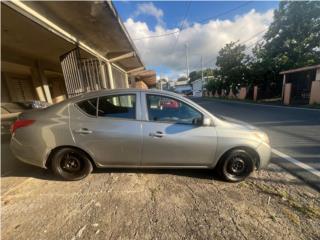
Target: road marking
{"type": "Point", "coordinates": [266, 105]}
{"type": "Point", "coordinates": [297, 163]}
{"type": "Point", "coordinates": [276, 122]}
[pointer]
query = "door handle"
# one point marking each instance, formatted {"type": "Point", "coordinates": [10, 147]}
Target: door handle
{"type": "Point", "coordinates": [157, 134]}
{"type": "Point", "coordinates": [83, 131]}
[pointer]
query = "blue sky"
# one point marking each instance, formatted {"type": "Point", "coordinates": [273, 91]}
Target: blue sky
{"type": "Point", "coordinates": [219, 22]}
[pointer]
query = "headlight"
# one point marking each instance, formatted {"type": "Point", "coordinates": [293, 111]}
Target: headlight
{"type": "Point", "coordinates": [263, 136]}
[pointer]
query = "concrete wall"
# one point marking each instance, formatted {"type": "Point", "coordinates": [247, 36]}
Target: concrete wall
{"type": "Point", "coordinates": [255, 93]}
{"type": "Point", "coordinates": [242, 93]}
{"type": "Point", "coordinates": [33, 83]}
{"type": "Point", "coordinates": [315, 92]}
{"type": "Point", "coordinates": [287, 93]}
{"type": "Point", "coordinates": [231, 95]}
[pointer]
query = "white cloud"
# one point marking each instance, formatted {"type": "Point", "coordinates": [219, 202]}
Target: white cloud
{"type": "Point", "coordinates": [203, 40]}
{"type": "Point", "coordinates": [149, 9]}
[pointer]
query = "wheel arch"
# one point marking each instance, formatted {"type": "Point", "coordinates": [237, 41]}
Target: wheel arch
{"type": "Point", "coordinates": [250, 150]}
{"type": "Point", "coordinates": [54, 150]}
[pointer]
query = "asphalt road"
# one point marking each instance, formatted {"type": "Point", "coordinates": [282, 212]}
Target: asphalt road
{"type": "Point", "coordinates": [294, 132]}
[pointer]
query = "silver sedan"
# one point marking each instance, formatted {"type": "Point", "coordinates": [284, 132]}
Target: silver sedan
{"type": "Point", "coordinates": [136, 128]}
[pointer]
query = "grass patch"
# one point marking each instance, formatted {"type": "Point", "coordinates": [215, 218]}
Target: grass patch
{"type": "Point", "coordinates": [291, 216]}
{"type": "Point", "coordinates": [305, 209]}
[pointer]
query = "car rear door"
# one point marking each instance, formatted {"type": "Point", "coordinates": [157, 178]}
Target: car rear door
{"type": "Point", "coordinates": [172, 135]}
{"type": "Point", "coordinates": [108, 128]}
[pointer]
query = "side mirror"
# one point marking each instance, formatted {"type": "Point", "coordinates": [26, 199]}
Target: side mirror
{"type": "Point", "coordinates": [206, 122]}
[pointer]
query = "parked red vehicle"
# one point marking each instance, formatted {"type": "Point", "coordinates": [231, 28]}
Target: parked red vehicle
{"type": "Point", "coordinates": [169, 104]}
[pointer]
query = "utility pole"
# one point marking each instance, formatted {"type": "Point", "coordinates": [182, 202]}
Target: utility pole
{"type": "Point", "coordinates": [187, 60]}
{"type": "Point", "coordinates": [201, 75]}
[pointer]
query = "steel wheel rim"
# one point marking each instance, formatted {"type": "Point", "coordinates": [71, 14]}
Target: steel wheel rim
{"type": "Point", "coordinates": [70, 163]}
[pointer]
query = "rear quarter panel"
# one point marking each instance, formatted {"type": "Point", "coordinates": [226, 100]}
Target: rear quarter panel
{"type": "Point", "coordinates": [50, 130]}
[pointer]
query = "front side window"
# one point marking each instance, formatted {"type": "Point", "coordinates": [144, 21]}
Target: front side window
{"type": "Point", "coordinates": [89, 106]}
{"type": "Point", "coordinates": [165, 109]}
{"type": "Point", "coordinates": [118, 106]}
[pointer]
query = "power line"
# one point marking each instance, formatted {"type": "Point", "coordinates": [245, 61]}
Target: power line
{"type": "Point", "coordinates": [247, 40]}
{"type": "Point", "coordinates": [252, 37]}
{"type": "Point", "coordinates": [181, 26]}
{"type": "Point", "coordinates": [201, 21]}
{"type": "Point", "coordinates": [157, 36]}
{"type": "Point", "coordinates": [248, 47]}
{"type": "Point", "coordinates": [226, 12]}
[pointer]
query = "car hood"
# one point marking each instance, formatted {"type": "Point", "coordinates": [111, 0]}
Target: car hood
{"type": "Point", "coordinates": [234, 123]}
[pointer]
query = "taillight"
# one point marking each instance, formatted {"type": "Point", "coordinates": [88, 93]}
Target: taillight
{"type": "Point", "coordinates": [20, 123]}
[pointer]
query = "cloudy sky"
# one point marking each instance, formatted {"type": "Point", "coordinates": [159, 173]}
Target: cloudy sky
{"type": "Point", "coordinates": [162, 30]}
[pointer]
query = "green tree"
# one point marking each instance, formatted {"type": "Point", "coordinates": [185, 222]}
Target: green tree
{"type": "Point", "coordinates": [194, 75]}
{"type": "Point", "coordinates": [231, 63]}
{"type": "Point", "coordinates": [292, 41]}
{"type": "Point", "coordinates": [293, 38]}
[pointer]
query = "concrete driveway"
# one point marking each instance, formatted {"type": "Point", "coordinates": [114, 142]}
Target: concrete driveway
{"type": "Point", "coordinates": [150, 204]}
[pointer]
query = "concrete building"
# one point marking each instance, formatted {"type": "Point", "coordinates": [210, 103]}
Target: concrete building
{"type": "Point", "coordinates": [165, 84]}
{"type": "Point", "coordinates": [183, 87]}
{"type": "Point", "coordinates": [198, 87]}
{"type": "Point", "coordinates": [54, 50]}
{"type": "Point", "coordinates": [301, 85]}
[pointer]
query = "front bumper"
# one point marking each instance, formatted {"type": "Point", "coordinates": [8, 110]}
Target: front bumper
{"type": "Point", "coordinates": [264, 152]}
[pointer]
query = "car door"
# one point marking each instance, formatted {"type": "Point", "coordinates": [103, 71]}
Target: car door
{"type": "Point", "coordinates": [107, 127]}
{"type": "Point", "coordinates": [173, 134]}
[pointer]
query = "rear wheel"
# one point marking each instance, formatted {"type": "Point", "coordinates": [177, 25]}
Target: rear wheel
{"type": "Point", "coordinates": [71, 164]}
{"type": "Point", "coordinates": [236, 165]}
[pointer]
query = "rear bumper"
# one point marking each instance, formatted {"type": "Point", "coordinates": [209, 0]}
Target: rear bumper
{"type": "Point", "coordinates": [264, 151]}
{"type": "Point", "coordinates": [26, 153]}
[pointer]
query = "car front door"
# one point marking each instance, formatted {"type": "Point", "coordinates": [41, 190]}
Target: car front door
{"type": "Point", "coordinates": [107, 127]}
{"type": "Point", "coordinates": [173, 134]}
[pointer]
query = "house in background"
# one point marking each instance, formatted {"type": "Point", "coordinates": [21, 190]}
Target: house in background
{"type": "Point", "coordinates": [301, 85]}
{"type": "Point", "coordinates": [52, 50]}
{"type": "Point", "coordinates": [197, 88]}
{"type": "Point", "coordinates": [183, 87]}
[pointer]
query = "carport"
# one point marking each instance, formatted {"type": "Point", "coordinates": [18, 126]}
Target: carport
{"type": "Point", "coordinates": [54, 50]}
{"type": "Point", "coordinates": [301, 85]}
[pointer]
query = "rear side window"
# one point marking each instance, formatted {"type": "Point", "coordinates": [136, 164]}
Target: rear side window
{"type": "Point", "coordinates": [89, 106]}
{"type": "Point", "coordinates": [118, 106]}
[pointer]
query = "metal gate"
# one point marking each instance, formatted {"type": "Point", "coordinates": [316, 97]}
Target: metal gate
{"type": "Point", "coordinates": [72, 72]}
{"type": "Point", "coordinates": [82, 75]}
{"type": "Point", "coordinates": [119, 78]}
{"type": "Point", "coordinates": [93, 70]}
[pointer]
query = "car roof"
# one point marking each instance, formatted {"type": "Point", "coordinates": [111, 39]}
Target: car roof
{"type": "Point", "coordinates": [120, 91]}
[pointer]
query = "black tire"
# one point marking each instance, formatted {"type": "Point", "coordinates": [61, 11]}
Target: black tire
{"type": "Point", "coordinates": [71, 164]}
{"type": "Point", "coordinates": [236, 165]}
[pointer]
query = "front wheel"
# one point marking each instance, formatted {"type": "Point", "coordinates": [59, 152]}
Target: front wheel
{"type": "Point", "coordinates": [71, 164]}
{"type": "Point", "coordinates": [236, 165]}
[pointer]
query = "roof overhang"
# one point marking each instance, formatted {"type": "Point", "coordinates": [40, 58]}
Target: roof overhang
{"type": "Point", "coordinates": [147, 76]}
{"type": "Point", "coordinates": [94, 26]}
{"type": "Point", "coordinates": [300, 69]}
